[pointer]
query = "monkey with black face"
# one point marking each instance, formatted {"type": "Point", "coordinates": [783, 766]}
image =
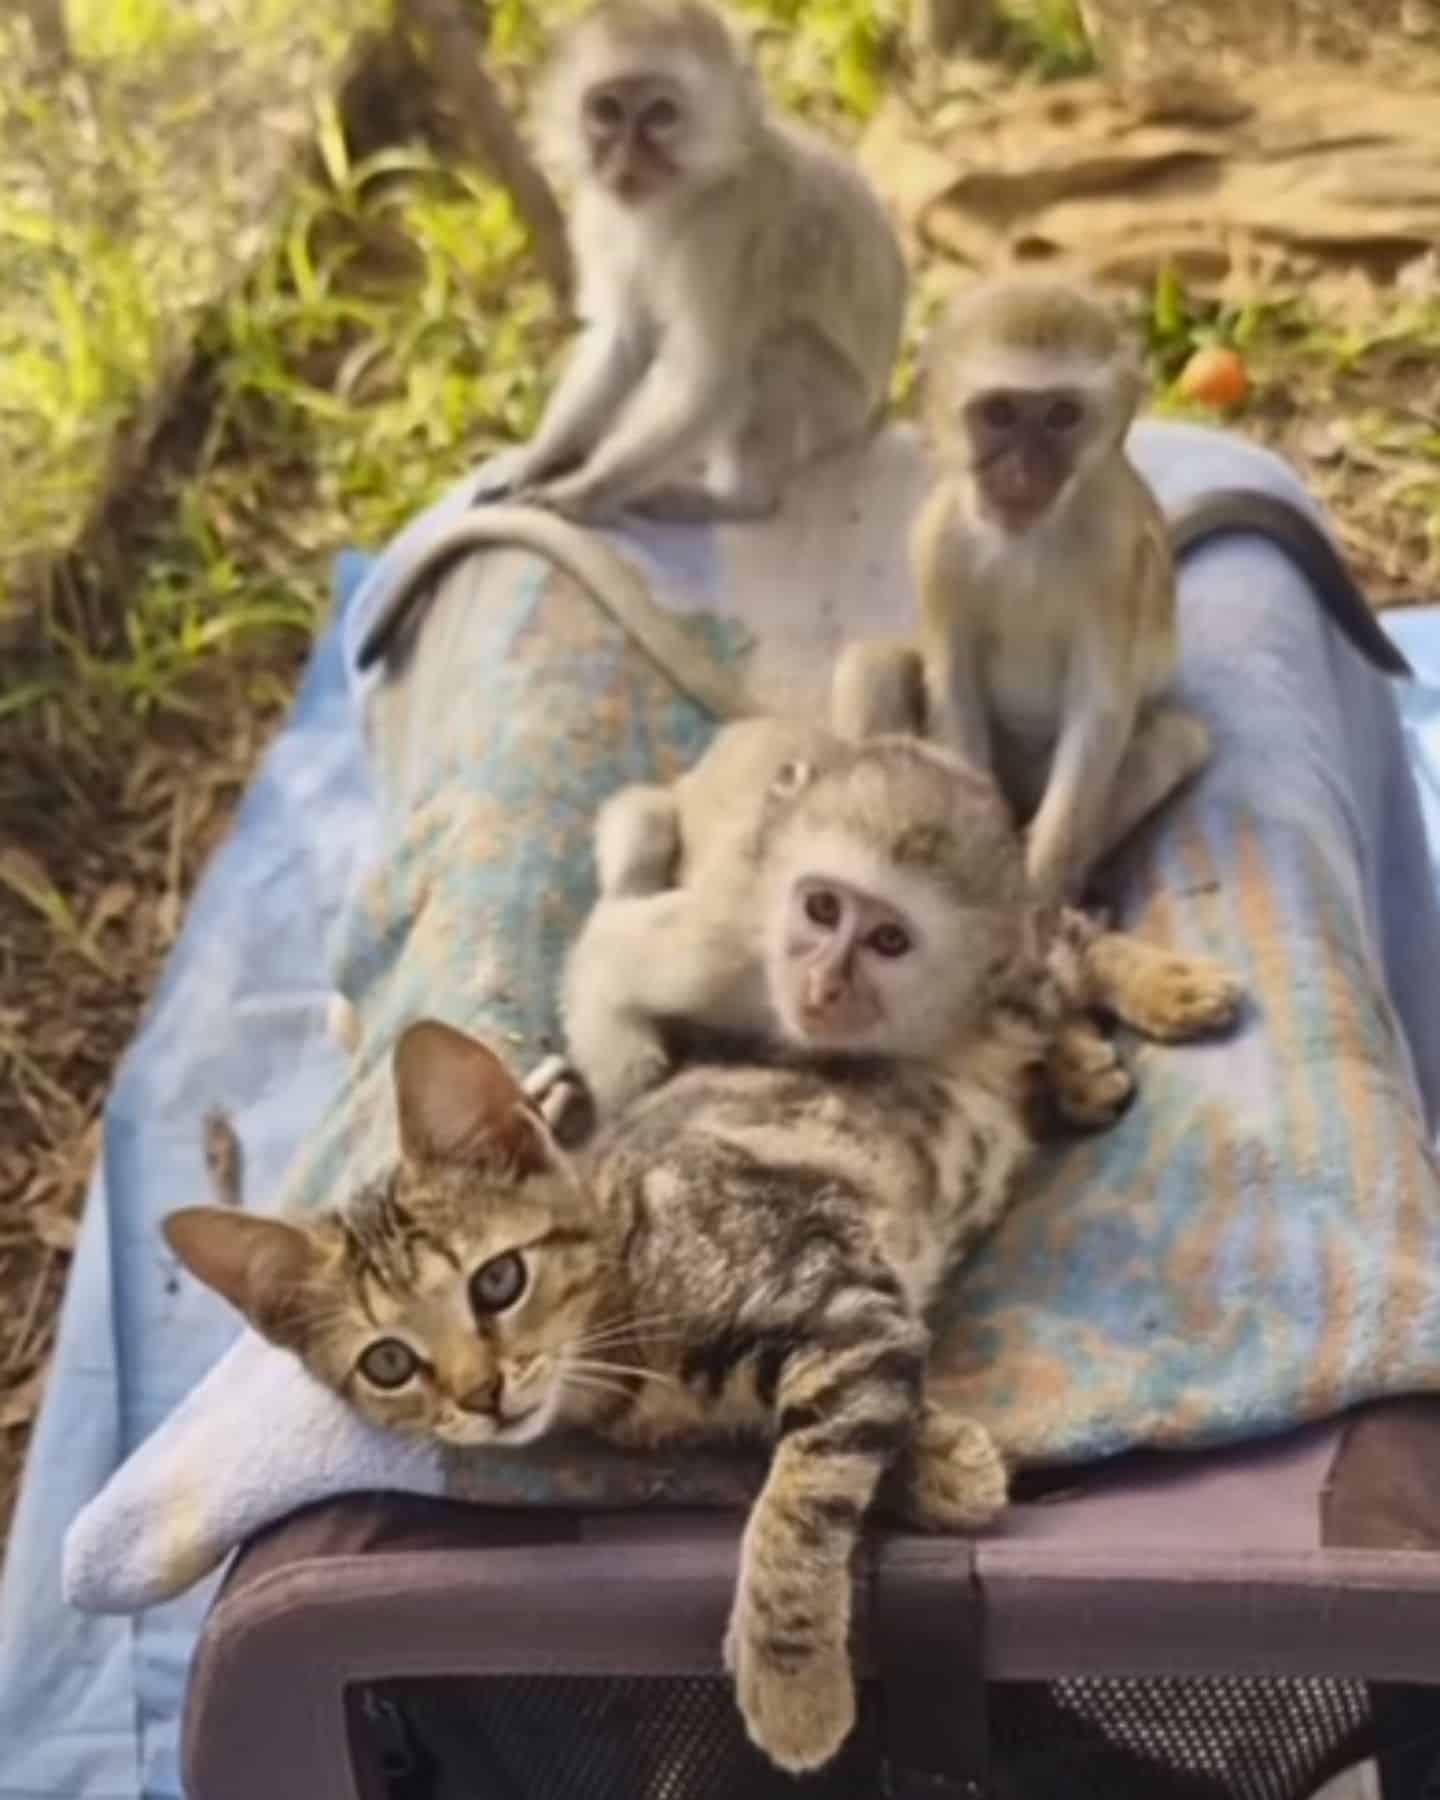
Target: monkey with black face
{"type": "Point", "coordinates": [741, 288]}
{"type": "Point", "coordinates": [1044, 570]}
{"type": "Point", "coordinates": [704, 930]}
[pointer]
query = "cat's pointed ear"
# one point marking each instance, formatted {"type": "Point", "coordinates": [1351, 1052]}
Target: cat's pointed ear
{"type": "Point", "coordinates": [459, 1103]}
{"type": "Point", "coordinates": [259, 1264]}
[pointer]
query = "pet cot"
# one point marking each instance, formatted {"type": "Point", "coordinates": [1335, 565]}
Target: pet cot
{"type": "Point", "coordinates": [562, 1638]}
{"type": "Point", "coordinates": [1242, 1624]}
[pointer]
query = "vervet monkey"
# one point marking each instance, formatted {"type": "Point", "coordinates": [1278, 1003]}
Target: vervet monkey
{"type": "Point", "coordinates": [741, 288]}
{"type": "Point", "coordinates": [718, 917]}
{"type": "Point", "coordinates": [1044, 570]}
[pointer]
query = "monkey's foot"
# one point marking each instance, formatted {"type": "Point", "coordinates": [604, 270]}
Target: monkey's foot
{"type": "Point", "coordinates": [571, 499]}
{"type": "Point", "coordinates": [953, 1477]}
{"type": "Point", "coordinates": [1176, 996]}
{"type": "Point", "coordinates": [562, 1100]}
{"type": "Point", "coordinates": [698, 506]}
{"type": "Point", "coordinates": [1089, 1083]}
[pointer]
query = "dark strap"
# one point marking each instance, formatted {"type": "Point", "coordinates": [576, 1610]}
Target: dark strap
{"type": "Point", "coordinates": [926, 1628]}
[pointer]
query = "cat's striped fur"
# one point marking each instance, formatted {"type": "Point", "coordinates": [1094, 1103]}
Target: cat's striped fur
{"type": "Point", "coordinates": [752, 1248]}
{"type": "Point", "coordinates": [799, 1222]}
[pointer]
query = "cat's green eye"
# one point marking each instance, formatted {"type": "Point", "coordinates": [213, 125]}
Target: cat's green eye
{"type": "Point", "coordinates": [498, 1283]}
{"type": "Point", "coordinates": [388, 1363]}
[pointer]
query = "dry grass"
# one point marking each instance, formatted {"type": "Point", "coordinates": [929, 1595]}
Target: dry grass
{"type": "Point", "coordinates": [104, 837]}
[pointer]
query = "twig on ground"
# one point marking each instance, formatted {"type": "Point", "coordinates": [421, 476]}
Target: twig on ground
{"type": "Point", "coordinates": [452, 49]}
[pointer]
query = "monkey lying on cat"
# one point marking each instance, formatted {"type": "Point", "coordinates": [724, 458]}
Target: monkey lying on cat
{"type": "Point", "coordinates": [752, 1248]}
{"type": "Point", "coordinates": [1044, 570]}
{"type": "Point", "coordinates": [698, 931]}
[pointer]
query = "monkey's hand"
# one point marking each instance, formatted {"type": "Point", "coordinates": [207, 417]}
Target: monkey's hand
{"type": "Point", "coordinates": [492, 488]}
{"type": "Point", "coordinates": [503, 478]}
{"type": "Point", "coordinates": [1089, 1084]}
{"type": "Point", "coordinates": [572, 497]}
{"type": "Point", "coordinates": [557, 1090]}
{"type": "Point", "coordinates": [1169, 995]}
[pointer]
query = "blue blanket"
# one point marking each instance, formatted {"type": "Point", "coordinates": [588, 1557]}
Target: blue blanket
{"type": "Point", "coordinates": [88, 1706]}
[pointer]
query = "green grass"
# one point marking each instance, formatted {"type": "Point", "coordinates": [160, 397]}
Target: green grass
{"type": "Point", "coordinates": [390, 333]}
{"type": "Point", "coordinates": [1046, 37]}
{"type": "Point", "coordinates": [131, 192]}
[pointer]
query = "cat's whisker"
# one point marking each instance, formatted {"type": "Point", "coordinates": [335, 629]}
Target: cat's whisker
{"type": "Point", "coordinates": [625, 1320]}
{"type": "Point", "coordinates": [589, 1365]}
{"type": "Point", "coordinates": [631, 1330]}
{"type": "Point", "coordinates": [626, 1346]}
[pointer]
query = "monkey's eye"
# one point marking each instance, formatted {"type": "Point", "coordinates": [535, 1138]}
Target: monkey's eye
{"type": "Point", "coordinates": [822, 908]}
{"type": "Point", "coordinates": [998, 412]}
{"type": "Point", "coordinates": [498, 1283]}
{"type": "Point", "coordinates": [388, 1364]}
{"type": "Point", "coordinates": [604, 110]}
{"type": "Point", "coordinates": [661, 116]}
{"type": "Point", "coordinates": [889, 940]}
{"type": "Point", "coordinates": [1062, 415]}
{"type": "Point", "coordinates": [790, 777]}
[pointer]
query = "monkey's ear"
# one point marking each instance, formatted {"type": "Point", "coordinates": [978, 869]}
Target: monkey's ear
{"type": "Point", "coordinates": [458, 1103]}
{"type": "Point", "coordinates": [259, 1264]}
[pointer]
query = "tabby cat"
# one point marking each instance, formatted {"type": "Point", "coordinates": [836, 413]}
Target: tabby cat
{"type": "Point", "coordinates": [751, 1248]}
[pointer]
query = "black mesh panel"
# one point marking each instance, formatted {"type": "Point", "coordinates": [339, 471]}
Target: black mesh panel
{"type": "Point", "coordinates": [1229, 1739]}
{"type": "Point", "coordinates": [611, 1738]}
{"type": "Point", "coordinates": [580, 1738]}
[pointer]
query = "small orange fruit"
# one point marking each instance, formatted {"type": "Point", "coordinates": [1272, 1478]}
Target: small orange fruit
{"type": "Point", "coordinates": [1215, 376]}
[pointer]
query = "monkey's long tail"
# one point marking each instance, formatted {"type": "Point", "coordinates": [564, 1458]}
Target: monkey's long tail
{"type": "Point", "coordinates": [1241, 509]}
{"type": "Point", "coordinates": [609, 580]}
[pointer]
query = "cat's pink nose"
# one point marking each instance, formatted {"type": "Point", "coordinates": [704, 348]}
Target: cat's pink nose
{"type": "Point", "coordinates": [484, 1397]}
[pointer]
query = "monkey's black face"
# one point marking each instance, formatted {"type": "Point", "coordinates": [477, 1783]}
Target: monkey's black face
{"type": "Point", "coordinates": [1025, 443]}
{"type": "Point", "coordinates": [635, 130]}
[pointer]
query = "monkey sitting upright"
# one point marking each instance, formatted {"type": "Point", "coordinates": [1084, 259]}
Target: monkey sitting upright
{"type": "Point", "coordinates": [742, 292]}
{"type": "Point", "coordinates": [1044, 570]}
{"type": "Point", "coordinates": [741, 287]}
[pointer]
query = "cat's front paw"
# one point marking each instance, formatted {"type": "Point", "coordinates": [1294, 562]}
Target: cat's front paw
{"type": "Point", "coordinates": [798, 1703]}
{"type": "Point", "coordinates": [1089, 1083]}
{"type": "Point", "coordinates": [954, 1478]}
{"type": "Point", "coordinates": [1182, 996]}
{"type": "Point", "coordinates": [558, 1092]}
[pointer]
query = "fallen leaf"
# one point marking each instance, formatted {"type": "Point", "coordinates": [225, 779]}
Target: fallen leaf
{"type": "Point", "coordinates": [56, 1230]}
{"type": "Point", "coordinates": [115, 898]}
{"type": "Point", "coordinates": [1326, 441]}
{"type": "Point", "coordinates": [20, 1405]}
{"type": "Point", "coordinates": [24, 874]}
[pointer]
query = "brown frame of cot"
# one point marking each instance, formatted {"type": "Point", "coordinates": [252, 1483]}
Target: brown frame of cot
{"type": "Point", "coordinates": [1312, 1555]}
